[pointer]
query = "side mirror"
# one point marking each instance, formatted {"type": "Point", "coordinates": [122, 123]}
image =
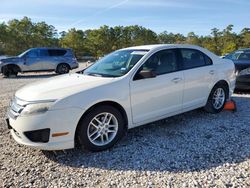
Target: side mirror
{"type": "Point", "coordinates": [145, 74]}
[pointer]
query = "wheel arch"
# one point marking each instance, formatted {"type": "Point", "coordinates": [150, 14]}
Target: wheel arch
{"type": "Point", "coordinates": [63, 63]}
{"type": "Point", "coordinates": [109, 103]}
{"type": "Point", "coordinates": [17, 68]}
{"type": "Point", "coordinates": [225, 83]}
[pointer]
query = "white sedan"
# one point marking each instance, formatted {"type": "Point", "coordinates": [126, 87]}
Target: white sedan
{"type": "Point", "coordinates": [125, 89]}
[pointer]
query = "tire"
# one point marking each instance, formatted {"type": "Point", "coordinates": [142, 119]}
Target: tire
{"type": "Point", "coordinates": [93, 137]}
{"type": "Point", "coordinates": [62, 68]}
{"type": "Point", "coordinates": [9, 71]}
{"type": "Point", "coordinates": [217, 99]}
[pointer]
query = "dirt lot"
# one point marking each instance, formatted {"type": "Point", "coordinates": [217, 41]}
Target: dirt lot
{"type": "Point", "coordinates": [194, 149]}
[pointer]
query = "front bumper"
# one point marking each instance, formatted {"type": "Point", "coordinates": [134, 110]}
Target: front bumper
{"type": "Point", "coordinates": [56, 121]}
{"type": "Point", "coordinates": [243, 82]}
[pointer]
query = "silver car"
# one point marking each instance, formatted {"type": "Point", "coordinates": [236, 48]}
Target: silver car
{"type": "Point", "coordinates": [60, 60]}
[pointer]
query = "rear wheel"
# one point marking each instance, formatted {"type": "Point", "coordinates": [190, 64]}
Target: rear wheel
{"type": "Point", "coordinates": [217, 99]}
{"type": "Point", "coordinates": [62, 68]}
{"type": "Point", "coordinates": [100, 129]}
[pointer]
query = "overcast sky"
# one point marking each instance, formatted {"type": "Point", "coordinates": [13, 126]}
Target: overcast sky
{"type": "Point", "coordinates": [175, 16]}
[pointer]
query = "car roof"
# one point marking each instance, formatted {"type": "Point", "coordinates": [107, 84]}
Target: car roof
{"type": "Point", "coordinates": [51, 48]}
{"type": "Point", "coordinates": [244, 49]}
{"type": "Point", "coordinates": [156, 46]}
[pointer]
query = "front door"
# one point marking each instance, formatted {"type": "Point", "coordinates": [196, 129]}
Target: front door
{"type": "Point", "coordinates": [33, 61]}
{"type": "Point", "coordinates": [153, 98]}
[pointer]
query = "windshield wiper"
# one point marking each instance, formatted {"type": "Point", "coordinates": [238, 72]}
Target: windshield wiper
{"type": "Point", "coordinates": [95, 74]}
{"type": "Point", "coordinates": [101, 75]}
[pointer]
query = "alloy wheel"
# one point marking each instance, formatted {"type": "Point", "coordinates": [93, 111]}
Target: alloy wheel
{"type": "Point", "coordinates": [219, 98]}
{"type": "Point", "coordinates": [102, 129]}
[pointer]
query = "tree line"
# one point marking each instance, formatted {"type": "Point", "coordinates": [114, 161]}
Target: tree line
{"type": "Point", "coordinates": [17, 36]}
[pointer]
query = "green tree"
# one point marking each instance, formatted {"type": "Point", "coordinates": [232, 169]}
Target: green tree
{"type": "Point", "coordinates": [23, 34]}
{"type": "Point", "coordinates": [245, 38]}
{"type": "Point", "coordinates": [229, 40]}
{"type": "Point", "coordinates": [74, 39]}
{"type": "Point", "coordinates": [194, 39]}
{"type": "Point", "coordinates": [171, 38]}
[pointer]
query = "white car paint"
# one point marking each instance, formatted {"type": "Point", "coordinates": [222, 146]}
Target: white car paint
{"type": "Point", "coordinates": [143, 100]}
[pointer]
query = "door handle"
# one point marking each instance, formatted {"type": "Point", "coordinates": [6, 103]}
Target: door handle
{"type": "Point", "coordinates": [211, 72]}
{"type": "Point", "coordinates": [176, 80]}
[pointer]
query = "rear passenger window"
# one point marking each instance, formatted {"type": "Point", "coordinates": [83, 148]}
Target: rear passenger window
{"type": "Point", "coordinates": [194, 58]}
{"type": "Point", "coordinates": [44, 53]}
{"type": "Point", "coordinates": [208, 60]}
{"type": "Point", "coordinates": [57, 52]}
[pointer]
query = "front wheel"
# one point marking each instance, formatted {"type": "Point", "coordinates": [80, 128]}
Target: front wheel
{"type": "Point", "coordinates": [217, 99]}
{"type": "Point", "coordinates": [9, 71]}
{"type": "Point", "coordinates": [100, 129]}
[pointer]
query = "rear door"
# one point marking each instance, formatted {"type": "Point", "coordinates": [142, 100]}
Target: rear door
{"type": "Point", "coordinates": [45, 60]}
{"type": "Point", "coordinates": [56, 56]}
{"type": "Point", "coordinates": [199, 74]}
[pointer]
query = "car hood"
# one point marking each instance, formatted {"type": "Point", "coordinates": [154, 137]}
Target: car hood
{"type": "Point", "coordinates": [59, 87]}
{"type": "Point", "coordinates": [10, 59]}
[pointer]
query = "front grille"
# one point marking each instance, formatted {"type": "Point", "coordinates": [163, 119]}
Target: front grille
{"type": "Point", "coordinates": [16, 107]}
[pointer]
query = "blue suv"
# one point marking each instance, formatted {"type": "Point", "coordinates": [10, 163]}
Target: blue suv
{"type": "Point", "coordinates": [60, 60]}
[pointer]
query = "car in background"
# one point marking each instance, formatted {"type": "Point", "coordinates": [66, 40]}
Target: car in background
{"type": "Point", "coordinates": [3, 57]}
{"type": "Point", "coordinates": [87, 58]}
{"type": "Point", "coordinates": [241, 59]}
{"type": "Point", "coordinates": [125, 89]}
{"type": "Point", "coordinates": [60, 60]}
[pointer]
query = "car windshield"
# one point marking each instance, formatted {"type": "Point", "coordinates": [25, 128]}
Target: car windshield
{"type": "Point", "coordinates": [116, 64]}
{"type": "Point", "coordinates": [234, 55]}
{"type": "Point", "coordinates": [21, 55]}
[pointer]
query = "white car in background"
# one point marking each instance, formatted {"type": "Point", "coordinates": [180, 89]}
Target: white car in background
{"type": "Point", "coordinates": [125, 89]}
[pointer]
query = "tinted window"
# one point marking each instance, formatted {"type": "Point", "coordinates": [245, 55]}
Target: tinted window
{"type": "Point", "coordinates": [194, 58]}
{"type": "Point", "coordinates": [43, 53]}
{"type": "Point", "coordinates": [208, 60]}
{"type": "Point", "coordinates": [162, 62]}
{"type": "Point", "coordinates": [32, 53]}
{"type": "Point", "coordinates": [57, 52]}
{"type": "Point", "coordinates": [233, 56]}
{"type": "Point", "coordinates": [244, 56]}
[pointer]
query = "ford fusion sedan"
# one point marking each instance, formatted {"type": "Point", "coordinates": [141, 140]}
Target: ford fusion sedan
{"type": "Point", "coordinates": [60, 60]}
{"type": "Point", "coordinates": [241, 59]}
{"type": "Point", "coordinates": [125, 89]}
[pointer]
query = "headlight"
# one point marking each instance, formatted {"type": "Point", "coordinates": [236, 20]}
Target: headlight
{"type": "Point", "coordinates": [244, 72]}
{"type": "Point", "coordinates": [36, 108]}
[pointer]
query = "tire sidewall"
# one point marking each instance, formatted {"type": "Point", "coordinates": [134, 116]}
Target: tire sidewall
{"type": "Point", "coordinates": [209, 106]}
{"type": "Point", "coordinates": [82, 128]}
{"type": "Point", "coordinates": [59, 67]}
{"type": "Point", "coordinates": [9, 71]}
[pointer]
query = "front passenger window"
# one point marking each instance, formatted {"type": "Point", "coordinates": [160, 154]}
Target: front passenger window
{"type": "Point", "coordinates": [161, 62]}
{"type": "Point", "coordinates": [32, 53]}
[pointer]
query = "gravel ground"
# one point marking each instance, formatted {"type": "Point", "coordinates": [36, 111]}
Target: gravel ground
{"type": "Point", "coordinates": [194, 149]}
